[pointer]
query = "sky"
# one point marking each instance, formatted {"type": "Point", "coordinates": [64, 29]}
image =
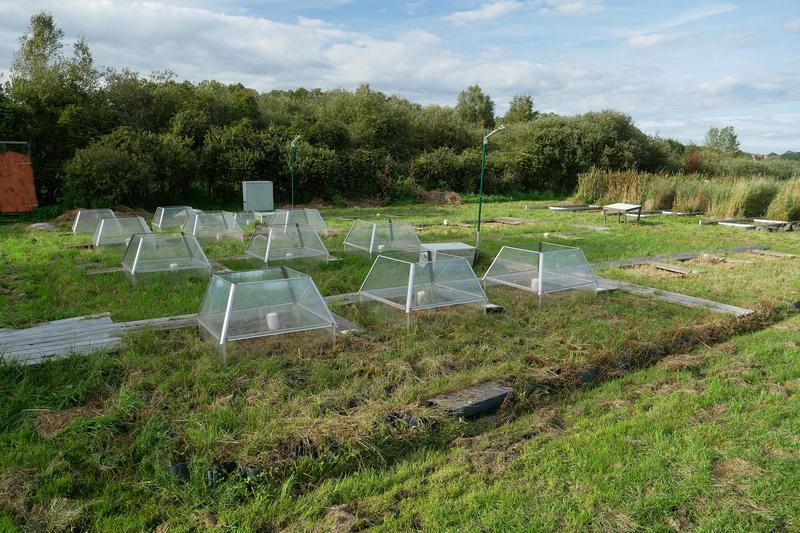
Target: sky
{"type": "Point", "coordinates": [677, 67]}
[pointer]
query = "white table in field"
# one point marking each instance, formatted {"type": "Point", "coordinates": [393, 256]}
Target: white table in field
{"type": "Point", "coordinates": [453, 248]}
{"type": "Point", "coordinates": [622, 210]}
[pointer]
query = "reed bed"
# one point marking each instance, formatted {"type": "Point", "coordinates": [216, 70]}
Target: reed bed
{"type": "Point", "coordinates": [725, 196]}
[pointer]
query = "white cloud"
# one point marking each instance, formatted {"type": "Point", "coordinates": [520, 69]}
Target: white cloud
{"type": "Point", "coordinates": [237, 46]}
{"type": "Point", "coordinates": [488, 11]}
{"type": "Point", "coordinates": [657, 39]}
{"type": "Point", "coordinates": [570, 7]}
{"type": "Point", "coordinates": [793, 25]}
{"type": "Point", "coordinates": [698, 13]}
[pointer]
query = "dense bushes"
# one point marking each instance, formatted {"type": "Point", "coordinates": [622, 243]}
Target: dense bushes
{"type": "Point", "coordinates": [722, 197]}
{"type": "Point", "coordinates": [132, 165]}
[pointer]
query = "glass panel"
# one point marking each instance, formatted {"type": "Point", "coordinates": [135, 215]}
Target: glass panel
{"type": "Point", "coordinates": [566, 268]}
{"type": "Point", "coordinates": [163, 253]}
{"type": "Point", "coordinates": [563, 267]}
{"type": "Point", "coordinates": [171, 217]}
{"type": "Point", "coordinates": [214, 225]}
{"type": "Point", "coordinates": [515, 267]}
{"type": "Point", "coordinates": [447, 280]}
{"type": "Point", "coordinates": [380, 237]}
{"type": "Point", "coordinates": [304, 217]}
{"type": "Point", "coordinates": [86, 219]}
{"type": "Point", "coordinates": [211, 315]}
{"type": "Point", "coordinates": [285, 243]}
{"type": "Point", "coordinates": [262, 302]}
{"type": "Point", "coordinates": [111, 231]}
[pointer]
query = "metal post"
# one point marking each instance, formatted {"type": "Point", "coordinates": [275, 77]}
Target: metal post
{"type": "Point", "coordinates": [480, 196]}
{"type": "Point", "coordinates": [291, 165]}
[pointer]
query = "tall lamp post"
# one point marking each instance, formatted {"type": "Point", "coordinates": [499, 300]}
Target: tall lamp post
{"type": "Point", "coordinates": [480, 196]}
{"type": "Point", "coordinates": [291, 163]}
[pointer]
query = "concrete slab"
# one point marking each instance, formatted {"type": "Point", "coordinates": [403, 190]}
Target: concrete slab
{"type": "Point", "coordinates": [472, 401]}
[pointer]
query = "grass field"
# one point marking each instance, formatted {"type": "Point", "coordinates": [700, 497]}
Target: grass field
{"type": "Point", "coordinates": [344, 439]}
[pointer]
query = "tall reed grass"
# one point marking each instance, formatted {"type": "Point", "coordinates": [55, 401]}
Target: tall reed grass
{"type": "Point", "coordinates": [719, 197]}
{"type": "Point", "coordinates": [786, 204]}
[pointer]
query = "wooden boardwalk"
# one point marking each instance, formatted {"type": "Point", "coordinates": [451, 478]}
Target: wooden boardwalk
{"type": "Point", "coordinates": [87, 334]}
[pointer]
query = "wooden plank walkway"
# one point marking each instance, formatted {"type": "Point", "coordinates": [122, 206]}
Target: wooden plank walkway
{"type": "Point", "coordinates": [675, 269]}
{"type": "Point", "coordinates": [772, 253]}
{"type": "Point", "coordinates": [87, 334]}
{"type": "Point", "coordinates": [673, 297]}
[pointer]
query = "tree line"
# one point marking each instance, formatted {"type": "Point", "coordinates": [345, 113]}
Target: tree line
{"type": "Point", "coordinates": [101, 136]}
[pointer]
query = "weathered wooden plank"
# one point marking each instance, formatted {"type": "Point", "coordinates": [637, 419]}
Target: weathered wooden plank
{"type": "Point", "coordinates": [84, 346]}
{"type": "Point", "coordinates": [472, 401]}
{"type": "Point", "coordinates": [109, 270]}
{"type": "Point", "coordinates": [598, 229]}
{"type": "Point", "coordinates": [162, 323]}
{"type": "Point", "coordinates": [674, 297]}
{"type": "Point", "coordinates": [57, 327]}
{"type": "Point", "coordinates": [713, 221]}
{"type": "Point", "coordinates": [674, 268]}
{"type": "Point", "coordinates": [738, 225]}
{"type": "Point", "coordinates": [340, 299]}
{"type": "Point", "coordinates": [772, 253]}
{"type": "Point", "coordinates": [575, 207]}
{"type": "Point", "coordinates": [36, 358]}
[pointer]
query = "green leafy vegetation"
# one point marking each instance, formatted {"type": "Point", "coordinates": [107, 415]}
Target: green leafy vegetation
{"type": "Point", "coordinates": [104, 137]}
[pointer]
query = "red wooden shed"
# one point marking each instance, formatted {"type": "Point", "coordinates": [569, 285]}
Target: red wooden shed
{"type": "Point", "coordinates": [17, 191]}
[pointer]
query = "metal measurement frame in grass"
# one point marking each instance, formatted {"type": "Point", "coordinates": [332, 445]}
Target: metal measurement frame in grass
{"type": "Point", "coordinates": [170, 217]}
{"type": "Point", "coordinates": [391, 235]}
{"type": "Point", "coordinates": [86, 219]}
{"type": "Point", "coordinates": [149, 253]}
{"type": "Point", "coordinates": [118, 231]}
{"type": "Point", "coordinates": [277, 306]}
{"type": "Point", "coordinates": [546, 268]}
{"type": "Point", "coordinates": [286, 243]}
{"type": "Point", "coordinates": [212, 225]}
{"type": "Point", "coordinates": [414, 281]}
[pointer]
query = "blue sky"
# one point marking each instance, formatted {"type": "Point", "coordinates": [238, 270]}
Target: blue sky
{"type": "Point", "coordinates": [677, 67]}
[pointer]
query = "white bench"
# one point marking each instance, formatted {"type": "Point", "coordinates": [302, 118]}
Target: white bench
{"type": "Point", "coordinates": [621, 209]}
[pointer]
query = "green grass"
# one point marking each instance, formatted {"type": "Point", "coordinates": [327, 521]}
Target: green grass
{"type": "Point", "coordinates": [87, 442]}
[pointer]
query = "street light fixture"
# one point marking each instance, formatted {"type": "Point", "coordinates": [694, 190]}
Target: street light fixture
{"type": "Point", "coordinates": [480, 196]}
{"type": "Point", "coordinates": [291, 163]}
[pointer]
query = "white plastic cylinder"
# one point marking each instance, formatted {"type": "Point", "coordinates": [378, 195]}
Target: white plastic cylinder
{"type": "Point", "coordinates": [420, 297]}
{"type": "Point", "coordinates": [445, 222]}
{"type": "Point", "coordinates": [381, 247]}
{"type": "Point", "coordinates": [272, 321]}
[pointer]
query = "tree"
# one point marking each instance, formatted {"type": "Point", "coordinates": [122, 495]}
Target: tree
{"type": "Point", "coordinates": [39, 49]}
{"type": "Point", "coordinates": [723, 140]}
{"type": "Point", "coordinates": [520, 110]}
{"type": "Point", "coordinates": [475, 107]}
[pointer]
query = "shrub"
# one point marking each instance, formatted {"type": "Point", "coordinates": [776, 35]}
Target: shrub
{"type": "Point", "coordinates": [786, 204]}
{"type": "Point", "coordinates": [114, 169]}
